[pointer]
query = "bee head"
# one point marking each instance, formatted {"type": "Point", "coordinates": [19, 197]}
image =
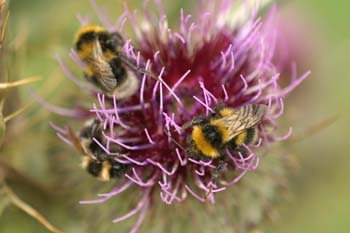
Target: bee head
{"type": "Point", "coordinates": [195, 121]}
{"type": "Point", "coordinates": [117, 39]}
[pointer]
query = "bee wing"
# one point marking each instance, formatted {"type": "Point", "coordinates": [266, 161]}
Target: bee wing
{"type": "Point", "coordinates": [76, 142]}
{"type": "Point", "coordinates": [101, 68]}
{"type": "Point", "coordinates": [244, 118]}
{"type": "Point", "coordinates": [108, 83]}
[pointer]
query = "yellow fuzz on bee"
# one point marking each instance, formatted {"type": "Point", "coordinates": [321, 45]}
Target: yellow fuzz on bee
{"type": "Point", "coordinates": [86, 50]}
{"type": "Point", "coordinates": [88, 71]}
{"type": "Point", "coordinates": [85, 160]}
{"type": "Point", "coordinates": [109, 55]}
{"type": "Point", "coordinates": [202, 144]}
{"type": "Point", "coordinates": [105, 175]}
{"type": "Point", "coordinates": [225, 134]}
{"type": "Point", "coordinates": [226, 112]}
{"type": "Point", "coordinates": [87, 47]}
{"type": "Point", "coordinates": [86, 29]}
{"type": "Point", "coordinates": [240, 138]}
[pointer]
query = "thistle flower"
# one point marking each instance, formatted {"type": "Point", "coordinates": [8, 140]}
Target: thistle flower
{"type": "Point", "coordinates": [207, 59]}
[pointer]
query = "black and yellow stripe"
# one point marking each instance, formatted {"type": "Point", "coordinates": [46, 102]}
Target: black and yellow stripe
{"type": "Point", "coordinates": [209, 139]}
{"type": "Point", "coordinates": [110, 44]}
{"type": "Point", "coordinates": [96, 162]}
{"type": "Point", "coordinates": [105, 170]}
{"type": "Point", "coordinates": [211, 135]}
{"type": "Point", "coordinates": [85, 37]}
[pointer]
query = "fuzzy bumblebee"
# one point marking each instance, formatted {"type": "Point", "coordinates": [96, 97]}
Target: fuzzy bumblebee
{"type": "Point", "coordinates": [226, 128]}
{"type": "Point", "coordinates": [94, 160]}
{"type": "Point", "coordinates": [107, 67]}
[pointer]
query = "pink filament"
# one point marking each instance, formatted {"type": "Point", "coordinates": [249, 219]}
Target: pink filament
{"type": "Point", "coordinates": [194, 194]}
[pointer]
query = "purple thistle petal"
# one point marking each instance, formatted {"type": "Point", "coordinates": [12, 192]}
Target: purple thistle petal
{"type": "Point", "coordinates": [206, 164]}
{"type": "Point", "coordinates": [97, 201]}
{"type": "Point", "coordinates": [69, 74]}
{"type": "Point", "coordinates": [130, 214]}
{"type": "Point", "coordinates": [142, 203]}
{"type": "Point", "coordinates": [194, 194]}
{"type": "Point", "coordinates": [172, 195]}
{"type": "Point", "coordinates": [117, 190]}
{"type": "Point", "coordinates": [206, 60]}
{"type": "Point", "coordinates": [281, 110]}
{"type": "Point", "coordinates": [207, 108]}
{"type": "Point", "coordinates": [238, 178]}
{"type": "Point", "coordinates": [169, 173]}
{"type": "Point", "coordinates": [201, 172]}
{"type": "Point", "coordinates": [75, 57]}
{"type": "Point", "coordinates": [294, 84]}
{"type": "Point", "coordinates": [180, 81]}
{"type": "Point", "coordinates": [150, 182]}
{"type": "Point", "coordinates": [258, 144]}
{"type": "Point", "coordinates": [83, 20]}
{"type": "Point", "coordinates": [58, 129]}
{"type": "Point", "coordinates": [102, 15]}
{"type": "Point", "coordinates": [139, 163]}
{"type": "Point", "coordinates": [120, 143]}
{"type": "Point", "coordinates": [165, 184]}
{"type": "Point", "coordinates": [149, 137]}
{"type": "Point", "coordinates": [284, 137]}
{"type": "Point", "coordinates": [183, 162]}
{"type": "Point", "coordinates": [58, 110]}
{"type": "Point", "coordinates": [63, 138]}
{"type": "Point", "coordinates": [140, 218]}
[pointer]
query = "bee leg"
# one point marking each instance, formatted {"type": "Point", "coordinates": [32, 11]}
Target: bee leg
{"type": "Point", "coordinates": [218, 169]}
{"type": "Point", "coordinates": [216, 173]}
{"type": "Point", "coordinates": [191, 149]}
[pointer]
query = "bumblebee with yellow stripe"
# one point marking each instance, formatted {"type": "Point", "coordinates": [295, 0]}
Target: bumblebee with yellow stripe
{"type": "Point", "coordinates": [107, 67]}
{"type": "Point", "coordinates": [94, 159]}
{"type": "Point", "coordinates": [226, 128]}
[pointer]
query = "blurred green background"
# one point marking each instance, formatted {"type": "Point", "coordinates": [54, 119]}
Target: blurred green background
{"type": "Point", "coordinates": [320, 188]}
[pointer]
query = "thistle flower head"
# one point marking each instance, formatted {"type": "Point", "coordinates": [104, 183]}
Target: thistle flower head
{"type": "Point", "coordinates": [205, 60]}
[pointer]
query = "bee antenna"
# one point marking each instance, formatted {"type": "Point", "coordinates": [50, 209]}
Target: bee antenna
{"type": "Point", "coordinates": [133, 65]}
{"type": "Point", "coordinates": [174, 141]}
{"type": "Point", "coordinates": [76, 142]}
{"type": "Point", "coordinates": [114, 153]}
{"type": "Point", "coordinates": [215, 175]}
{"type": "Point", "coordinates": [186, 125]}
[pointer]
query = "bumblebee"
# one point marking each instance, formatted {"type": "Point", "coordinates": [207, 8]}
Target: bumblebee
{"type": "Point", "coordinates": [226, 128]}
{"type": "Point", "coordinates": [93, 157]}
{"type": "Point", "coordinates": [107, 67]}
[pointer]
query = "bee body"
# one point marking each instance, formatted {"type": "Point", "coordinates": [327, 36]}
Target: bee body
{"type": "Point", "coordinates": [87, 35]}
{"type": "Point", "coordinates": [225, 129]}
{"type": "Point", "coordinates": [106, 69]}
{"type": "Point", "coordinates": [94, 159]}
{"type": "Point", "coordinates": [105, 170]}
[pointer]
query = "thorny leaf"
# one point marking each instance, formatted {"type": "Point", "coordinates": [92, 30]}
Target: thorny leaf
{"type": "Point", "coordinates": [15, 200]}
{"type": "Point", "coordinates": [7, 85]}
